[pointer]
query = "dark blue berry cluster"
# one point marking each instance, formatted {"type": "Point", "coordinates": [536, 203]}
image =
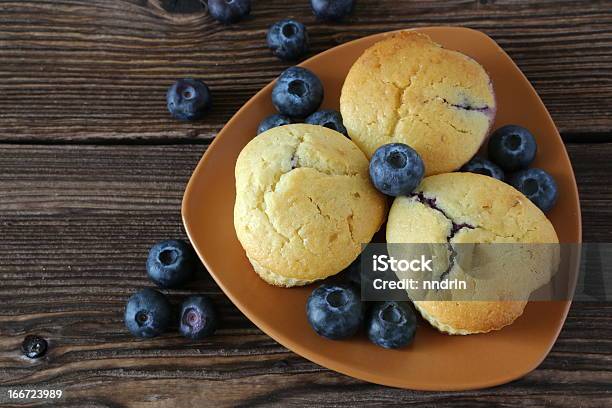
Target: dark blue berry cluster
{"type": "Point", "coordinates": [335, 311]}
{"type": "Point", "coordinates": [149, 313]}
{"type": "Point", "coordinates": [511, 150]}
{"type": "Point", "coordinates": [297, 94]}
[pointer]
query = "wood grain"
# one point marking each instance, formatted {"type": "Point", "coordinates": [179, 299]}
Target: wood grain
{"type": "Point", "coordinates": [83, 71]}
{"type": "Point", "coordinates": [76, 224]}
{"type": "Point", "coordinates": [92, 171]}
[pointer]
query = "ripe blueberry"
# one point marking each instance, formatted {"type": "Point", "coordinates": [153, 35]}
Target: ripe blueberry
{"type": "Point", "coordinates": [273, 121]}
{"type": "Point", "coordinates": [288, 39]}
{"type": "Point", "coordinates": [396, 169]}
{"type": "Point", "coordinates": [147, 313]}
{"type": "Point", "coordinates": [171, 263]}
{"type": "Point", "coordinates": [229, 11]}
{"type": "Point", "coordinates": [198, 317]}
{"type": "Point", "coordinates": [512, 147]}
{"type": "Point", "coordinates": [391, 324]}
{"type": "Point", "coordinates": [188, 99]}
{"type": "Point", "coordinates": [333, 10]}
{"type": "Point", "coordinates": [334, 311]}
{"type": "Point", "coordinates": [352, 273]}
{"type": "Point", "coordinates": [481, 165]}
{"type": "Point", "coordinates": [539, 186]}
{"type": "Point", "coordinates": [297, 93]}
{"type": "Point", "coordinates": [329, 118]}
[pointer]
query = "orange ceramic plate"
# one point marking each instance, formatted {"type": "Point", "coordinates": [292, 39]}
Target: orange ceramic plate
{"type": "Point", "coordinates": [434, 361]}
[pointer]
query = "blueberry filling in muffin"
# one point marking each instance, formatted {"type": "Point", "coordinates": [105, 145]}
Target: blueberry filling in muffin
{"type": "Point", "coordinates": [431, 203]}
{"type": "Point", "coordinates": [500, 278]}
{"type": "Point", "coordinates": [455, 228]}
{"type": "Point", "coordinates": [295, 161]}
{"type": "Point", "coordinates": [469, 107]}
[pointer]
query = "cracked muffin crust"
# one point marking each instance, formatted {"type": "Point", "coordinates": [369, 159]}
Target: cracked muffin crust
{"type": "Point", "coordinates": [304, 203]}
{"type": "Point", "coordinates": [409, 89]}
{"type": "Point", "coordinates": [468, 208]}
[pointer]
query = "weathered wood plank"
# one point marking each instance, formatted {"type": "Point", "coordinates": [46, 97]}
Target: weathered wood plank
{"type": "Point", "coordinates": [76, 223]}
{"type": "Point", "coordinates": [77, 70]}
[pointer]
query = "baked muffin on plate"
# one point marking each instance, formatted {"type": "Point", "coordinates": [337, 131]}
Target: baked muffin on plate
{"type": "Point", "coordinates": [407, 88]}
{"type": "Point", "coordinates": [490, 234]}
{"type": "Point", "coordinates": [304, 203]}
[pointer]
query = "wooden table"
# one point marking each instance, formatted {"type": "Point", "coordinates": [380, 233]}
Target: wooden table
{"type": "Point", "coordinates": [92, 172]}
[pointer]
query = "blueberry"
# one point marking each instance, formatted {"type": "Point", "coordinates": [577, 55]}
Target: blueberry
{"type": "Point", "coordinates": [538, 186]}
{"type": "Point", "coordinates": [396, 169]}
{"type": "Point", "coordinates": [512, 147]}
{"type": "Point", "coordinates": [358, 279]}
{"type": "Point", "coordinates": [171, 263]}
{"type": "Point", "coordinates": [391, 324]}
{"type": "Point", "coordinates": [34, 346]}
{"type": "Point", "coordinates": [188, 99]}
{"type": "Point", "coordinates": [273, 121]}
{"type": "Point", "coordinates": [288, 39]}
{"type": "Point", "coordinates": [229, 11]}
{"type": "Point", "coordinates": [297, 93]}
{"type": "Point", "coordinates": [334, 311]}
{"type": "Point", "coordinates": [481, 165]}
{"type": "Point", "coordinates": [147, 313]}
{"type": "Point", "coordinates": [332, 10]}
{"type": "Point", "coordinates": [352, 273]}
{"type": "Point", "coordinates": [329, 118]}
{"type": "Point", "coordinates": [198, 317]}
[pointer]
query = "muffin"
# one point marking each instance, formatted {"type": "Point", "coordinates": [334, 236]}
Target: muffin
{"type": "Point", "coordinates": [304, 203]}
{"type": "Point", "coordinates": [488, 231]}
{"type": "Point", "coordinates": [408, 89]}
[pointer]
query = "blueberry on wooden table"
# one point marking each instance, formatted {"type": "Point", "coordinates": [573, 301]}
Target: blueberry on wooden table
{"type": "Point", "coordinates": [512, 147]}
{"type": "Point", "coordinates": [480, 165]}
{"type": "Point", "coordinates": [148, 313]}
{"type": "Point", "coordinates": [34, 346]}
{"type": "Point", "coordinates": [335, 311]}
{"type": "Point", "coordinates": [198, 317]}
{"type": "Point", "coordinates": [396, 169]}
{"type": "Point", "coordinates": [537, 185]}
{"type": "Point", "coordinates": [188, 99]}
{"type": "Point", "coordinates": [391, 324]}
{"type": "Point", "coordinates": [229, 11]}
{"type": "Point", "coordinates": [328, 118]}
{"type": "Point", "coordinates": [171, 263]}
{"type": "Point", "coordinates": [332, 10]}
{"type": "Point", "coordinates": [288, 40]}
{"type": "Point", "coordinates": [297, 93]}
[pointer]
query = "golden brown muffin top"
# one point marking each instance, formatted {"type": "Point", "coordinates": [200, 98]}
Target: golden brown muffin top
{"type": "Point", "coordinates": [407, 88]}
{"type": "Point", "coordinates": [304, 203]}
